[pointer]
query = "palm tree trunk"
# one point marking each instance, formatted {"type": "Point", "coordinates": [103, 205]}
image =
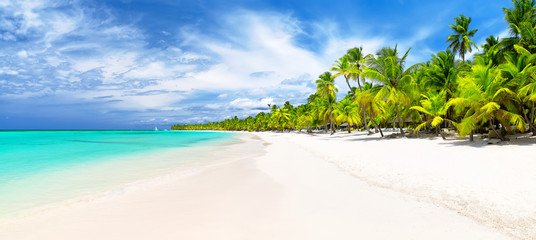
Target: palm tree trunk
{"type": "Point", "coordinates": [471, 136]}
{"type": "Point", "coordinates": [399, 121]}
{"type": "Point", "coordinates": [531, 125]}
{"type": "Point", "coordinates": [441, 132]}
{"type": "Point", "coordinates": [360, 105]}
{"type": "Point", "coordinates": [495, 131]}
{"type": "Point", "coordinates": [532, 116]}
{"type": "Point", "coordinates": [364, 110]}
{"type": "Point", "coordinates": [365, 117]}
{"type": "Point", "coordinates": [330, 117]}
{"type": "Point", "coordinates": [287, 122]}
{"type": "Point", "coordinates": [349, 131]}
{"type": "Point", "coordinates": [348, 83]}
{"type": "Point", "coordinates": [372, 118]}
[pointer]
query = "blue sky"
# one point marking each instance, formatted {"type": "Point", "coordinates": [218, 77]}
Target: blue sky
{"type": "Point", "coordinates": [137, 64]}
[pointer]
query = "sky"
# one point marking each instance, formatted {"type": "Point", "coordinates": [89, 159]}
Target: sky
{"type": "Point", "coordinates": [137, 64]}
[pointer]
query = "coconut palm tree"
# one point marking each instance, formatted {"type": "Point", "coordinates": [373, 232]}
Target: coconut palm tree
{"type": "Point", "coordinates": [342, 67]}
{"type": "Point", "coordinates": [326, 88]}
{"type": "Point", "coordinates": [347, 112]}
{"type": "Point", "coordinates": [304, 117]}
{"type": "Point", "coordinates": [282, 117]}
{"type": "Point", "coordinates": [460, 42]}
{"type": "Point", "coordinates": [484, 95]}
{"type": "Point", "coordinates": [434, 107]}
{"type": "Point", "coordinates": [519, 69]}
{"type": "Point", "coordinates": [494, 50]}
{"type": "Point", "coordinates": [358, 60]}
{"type": "Point", "coordinates": [523, 11]}
{"type": "Point", "coordinates": [442, 73]}
{"type": "Point", "coordinates": [321, 110]}
{"type": "Point", "coordinates": [348, 70]}
{"type": "Point", "coordinates": [366, 98]}
{"type": "Point", "coordinates": [528, 36]}
{"type": "Point", "coordinates": [388, 69]}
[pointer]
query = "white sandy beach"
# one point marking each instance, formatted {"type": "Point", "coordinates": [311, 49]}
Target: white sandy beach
{"type": "Point", "coordinates": [298, 186]}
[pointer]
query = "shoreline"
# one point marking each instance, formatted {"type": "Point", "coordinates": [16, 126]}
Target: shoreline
{"type": "Point", "coordinates": [290, 186]}
{"type": "Point", "coordinates": [103, 180]}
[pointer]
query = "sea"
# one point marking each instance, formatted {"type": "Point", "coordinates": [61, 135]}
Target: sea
{"type": "Point", "coordinates": [40, 170]}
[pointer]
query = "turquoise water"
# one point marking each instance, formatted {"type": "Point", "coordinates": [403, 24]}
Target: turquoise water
{"type": "Point", "coordinates": [39, 168]}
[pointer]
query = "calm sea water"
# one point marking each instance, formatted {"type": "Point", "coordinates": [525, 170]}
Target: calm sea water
{"type": "Point", "coordinates": [40, 168]}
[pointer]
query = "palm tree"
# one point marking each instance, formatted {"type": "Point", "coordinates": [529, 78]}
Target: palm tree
{"type": "Point", "coordinates": [519, 69]}
{"type": "Point", "coordinates": [434, 107]}
{"type": "Point", "coordinates": [342, 67]}
{"type": "Point", "coordinates": [358, 61]}
{"type": "Point", "coordinates": [282, 116]}
{"type": "Point", "coordinates": [351, 70]}
{"type": "Point", "coordinates": [442, 73]}
{"type": "Point", "coordinates": [326, 88]}
{"type": "Point", "coordinates": [347, 112]}
{"type": "Point", "coordinates": [494, 50]}
{"type": "Point", "coordinates": [484, 94]}
{"type": "Point", "coordinates": [388, 69]}
{"type": "Point", "coordinates": [528, 36]}
{"type": "Point", "coordinates": [366, 99]}
{"type": "Point", "coordinates": [491, 41]}
{"type": "Point", "coordinates": [523, 11]}
{"type": "Point", "coordinates": [304, 117]}
{"type": "Point", "coordinates": [460, 41]}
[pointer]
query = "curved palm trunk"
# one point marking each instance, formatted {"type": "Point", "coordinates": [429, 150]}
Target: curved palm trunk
{"type": "Point", "coordinates": [399, 121]}
{"type": "Point", "coordinates": [495, 131]}
{"type": "Point", "coordinates": [349, 131]}
{"type": "Point", "coordinates": [348, 83]}
{"type": "Point", "coordinates": [440, 132]}
{"type": "Point", "coordinates": [372, 118]}
{"type": "Point", "coordinates": [291, 126]}
{"type": "Point", "coordinates": [365, 118]}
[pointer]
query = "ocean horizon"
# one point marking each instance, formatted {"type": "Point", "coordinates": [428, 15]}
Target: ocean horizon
{"type": "Point", "coordinates": [40, 169]}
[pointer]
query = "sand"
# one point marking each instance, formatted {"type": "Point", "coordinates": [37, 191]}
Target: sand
{"type": "Point", "coordinates": [298, 186]}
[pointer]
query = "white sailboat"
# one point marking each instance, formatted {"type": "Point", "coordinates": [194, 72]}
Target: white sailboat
{"type": "Point", "coordinates": [155, 128]}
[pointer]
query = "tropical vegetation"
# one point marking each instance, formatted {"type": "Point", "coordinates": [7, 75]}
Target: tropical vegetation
{"type": "Point", "coordinates": [492, 93]}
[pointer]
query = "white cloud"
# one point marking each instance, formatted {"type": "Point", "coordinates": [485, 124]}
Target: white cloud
{"type": "Point", "coordinates": [214, 106]}
{"type": "Point", "coordinates": [154, 70]}
{"type": "Point", "coordinates": [8, 71]}
{"type": "Point", "coordinates": [22, 54]}
{"type": "Point", "coordinates": [261, 42]}
{"type": "Point", "coordinates": [246, 103]}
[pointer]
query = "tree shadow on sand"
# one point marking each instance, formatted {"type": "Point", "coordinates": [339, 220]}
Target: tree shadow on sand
{"type": "Point", "coordinates": [525, 139]}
